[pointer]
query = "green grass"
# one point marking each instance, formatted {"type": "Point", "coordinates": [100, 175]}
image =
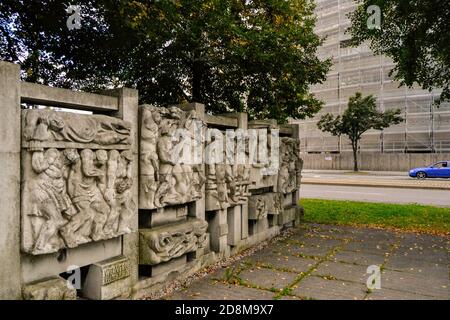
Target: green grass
{"type": "Point", "coordinates": [411, 217]}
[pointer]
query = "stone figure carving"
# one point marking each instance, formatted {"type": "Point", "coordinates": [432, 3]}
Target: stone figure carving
{"type": "Point", "coordinates": [166, 179]}
{"type": "Point", "coordinates": [47, 125]}
{"type": "Point", "coordinates": [264, 175]}
{"type": "Point", "coordinates": [260, 206]}
{"type": "Point", "coordinates": [227, 184]}
{"type": "Point", "coordinates": [164, 243]}
{"type": "Point", "coordinates": [73, 196]}
{"type": "Point", "coordinates": [289, 175]}
{"type": "Point", "coordinates": [49, 199]}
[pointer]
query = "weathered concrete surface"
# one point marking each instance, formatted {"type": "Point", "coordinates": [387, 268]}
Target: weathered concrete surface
{"type": "Point", "coordinates": [40, 94]}
{"type": "Point", "coordinates": [128, 111]}
{"type": "Point", "coordinates": [40, 267]}
{"type": "Point", "coordinates": [330, 263]}
{"type": "Point", "coordinates": [55, 288]}
{"type": "Point", "coordinates": [10, 182]}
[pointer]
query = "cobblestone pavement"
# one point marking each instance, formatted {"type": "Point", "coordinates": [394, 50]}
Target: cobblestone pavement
{"type": "Point", "coordinates": [331, 262]}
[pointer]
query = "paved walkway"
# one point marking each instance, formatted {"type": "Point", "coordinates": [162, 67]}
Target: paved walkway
{"type": "Point", "coordinates": [372, 179]}
{"type": "Point", "coordinates": [330, 262]}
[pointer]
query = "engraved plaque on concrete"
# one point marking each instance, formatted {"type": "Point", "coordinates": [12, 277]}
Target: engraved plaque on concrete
{"type": "Point", "coordinates": [115, 270]}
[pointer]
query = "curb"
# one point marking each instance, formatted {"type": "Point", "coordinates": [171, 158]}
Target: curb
{"type": "Point", "coordinates": [353, 184]}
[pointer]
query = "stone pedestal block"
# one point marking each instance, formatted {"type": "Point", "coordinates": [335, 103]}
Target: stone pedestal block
{"type": "Point", "coordinates": [234, 220]}
{"type": "Point", "coordinates": [244, 221]}
{"type": "Point", "coordinates": [218, 229]}
{"type": "Point", "coordinates": [108, 279]}
{"type": "Point", "coordinates": [289, 215]}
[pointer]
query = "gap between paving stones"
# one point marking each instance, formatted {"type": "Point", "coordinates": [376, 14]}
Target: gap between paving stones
{"type": "Point", "coordinates": [233, 277]}
{"type": "Point", "coordinates": [297, 282]}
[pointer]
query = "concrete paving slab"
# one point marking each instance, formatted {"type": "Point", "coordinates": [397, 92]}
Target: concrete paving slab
{"type": "Point", "coordinates": [322, 289]}
{"type": "Point", "coordinates": [415, 268]}
{"type": "Point", "coordinates": [204, 290]}
{"type": "Point", "coordinates": [342, 271]}
{"type": "Point", "coordinates": [362, 258]}
{"type": "Point", "coordinates": [424, 284]}
{"type": "Point", "coordinates": [267, 278]}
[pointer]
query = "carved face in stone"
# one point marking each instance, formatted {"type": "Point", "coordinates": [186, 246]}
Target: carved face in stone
{"type": "Point", "coordinates": [71, 155]}
{"type": "Point", "coordinates": [102, 156]}
{"type": "Point", "coordinates": [156, 117]}
{"type": "Point", "coordinates": [52, 155]}
{"type": "Point", "coordinates": [56, 123]}
{"type": "Point", "coordinates": [87, 154]}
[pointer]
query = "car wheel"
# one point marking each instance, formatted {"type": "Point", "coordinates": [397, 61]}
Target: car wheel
{"type": "Point", "coordinates": [421, 175]}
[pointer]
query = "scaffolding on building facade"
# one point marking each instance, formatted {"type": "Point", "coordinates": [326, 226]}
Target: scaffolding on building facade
{"type": "Point", "coordinates": [356, 69]}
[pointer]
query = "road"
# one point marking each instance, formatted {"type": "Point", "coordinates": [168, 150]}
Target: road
{"type": "Point", "coordinates": [374, 194]}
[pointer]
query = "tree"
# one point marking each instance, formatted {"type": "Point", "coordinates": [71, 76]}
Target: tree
{"type": "Point", "coordinates": [360, 116]}
{"type": "Point", "coordinates": [415, 34]}
{"type": "Point", "coordinates": [232, 55]}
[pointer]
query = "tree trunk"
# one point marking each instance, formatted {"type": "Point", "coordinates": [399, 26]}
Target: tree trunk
{"type": "Point", "coordinates": [355, 156]}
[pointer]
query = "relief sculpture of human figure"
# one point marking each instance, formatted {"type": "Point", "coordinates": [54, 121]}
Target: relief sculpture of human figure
{"type": "Point", "coordinates": [78, 178]}
{"type": "Point", "coordinates": [92, 208]}
{"type": "Point", "coordinates": [167, 177]}
{"type": "Point", "coordinates": [166, 193]}
{"type": "Point", "coordinates": [124, 196]}
{"type": "Point", "coordinates": [149, 174]}
{"type": "Point", "coordinates": [283, 174]}
{"type": "Point", "coordinates": [47, 125]}
{"type": "Point", "coordinates": [49, 199]}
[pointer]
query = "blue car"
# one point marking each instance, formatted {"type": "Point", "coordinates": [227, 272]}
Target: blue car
{"type": "Point", "coordinates": [438, 170]}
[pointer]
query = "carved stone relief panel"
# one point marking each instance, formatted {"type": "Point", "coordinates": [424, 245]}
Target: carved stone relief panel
{"type": "Point", "coordinates": [289, 175]}
{"type": "Point", "coordinates": [260, 206]}
{"type": "Point", "coordinates": [166, 177]}
{"type": "Point", "coordinates": [47, 128]}
{"type": "Point", "coordinates": [227, 182]}
{"type": "Point", "coordinates": [164, 243]}
{"type": "Point", "coordinates": [264, 175]}
{"type": "Point", "coordinates": [76, 180]}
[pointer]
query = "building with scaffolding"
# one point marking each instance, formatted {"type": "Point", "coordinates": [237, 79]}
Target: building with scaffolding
{"type": "Point", "coordinates": [356, 69]}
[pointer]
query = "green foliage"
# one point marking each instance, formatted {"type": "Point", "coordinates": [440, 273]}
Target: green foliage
{"type": "Point", "coordinates": [411, 217]}
{"type": "Point", "coordinates": [415, 34]}
{"type": "Point", "coordinates": [360, 116]}
{"type": "Point", "coordinates": [232, 55]}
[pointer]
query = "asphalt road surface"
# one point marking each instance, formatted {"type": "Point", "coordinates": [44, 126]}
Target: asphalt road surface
{"type": "Point", "coordinates": [373, 194]}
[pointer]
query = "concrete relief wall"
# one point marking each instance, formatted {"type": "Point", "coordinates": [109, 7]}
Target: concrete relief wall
{"type": "Point", "coordinates": [76, 180]}
{"type": "Point", "coordinates": [121, 202]}
{"type": "Point", "coordinates": [163, 180]}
